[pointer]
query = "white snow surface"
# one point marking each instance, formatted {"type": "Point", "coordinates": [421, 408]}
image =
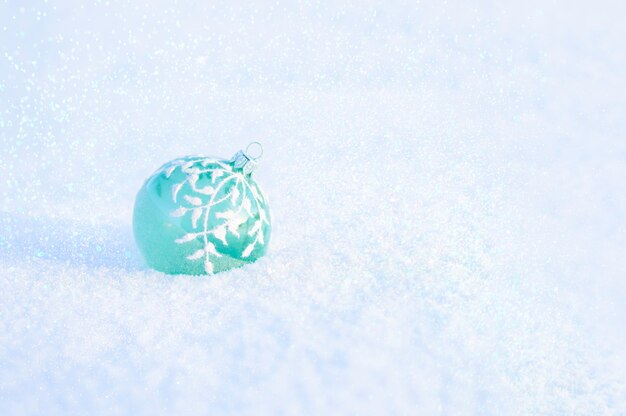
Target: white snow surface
{"type": "Point", "coordinates": [448, 191]}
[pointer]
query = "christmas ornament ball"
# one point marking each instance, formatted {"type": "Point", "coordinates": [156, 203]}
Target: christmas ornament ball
{"type": "Point", "coordinates": [202, 215]}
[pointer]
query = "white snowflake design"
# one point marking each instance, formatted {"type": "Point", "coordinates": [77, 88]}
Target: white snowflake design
{"type": "Point", "coordinates": [202, 202]}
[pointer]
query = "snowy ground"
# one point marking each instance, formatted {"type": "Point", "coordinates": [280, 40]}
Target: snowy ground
{"type": "Point", "coordinates": [448, 189]}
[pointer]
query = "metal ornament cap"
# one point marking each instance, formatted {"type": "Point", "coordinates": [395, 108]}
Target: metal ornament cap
{"type": "Point", "coordinates": [247, 161]}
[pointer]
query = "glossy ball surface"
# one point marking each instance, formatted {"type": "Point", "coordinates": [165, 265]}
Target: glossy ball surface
{"type": "Point", "coordinates": [199, 215]}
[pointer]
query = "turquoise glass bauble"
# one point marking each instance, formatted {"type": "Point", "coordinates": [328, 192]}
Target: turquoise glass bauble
{"type": "Point", "coordinates": [202, 215]}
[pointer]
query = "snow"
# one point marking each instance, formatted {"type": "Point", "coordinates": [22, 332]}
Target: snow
{"type": "Point", "coordinates": [447, 184]}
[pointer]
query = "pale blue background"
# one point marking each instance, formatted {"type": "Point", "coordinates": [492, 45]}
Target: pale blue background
{"type": "Point", "coordinates": [447, 183]}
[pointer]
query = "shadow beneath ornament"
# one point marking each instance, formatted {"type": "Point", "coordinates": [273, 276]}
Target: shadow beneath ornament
{"type": "Point", "coordinates": [24, 238]}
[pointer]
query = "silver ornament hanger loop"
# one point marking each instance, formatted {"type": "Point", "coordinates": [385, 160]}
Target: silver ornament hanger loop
{"type": "Point", "coordinates": [254, 150]}
{"type": "Point", "coordinates": [246, 160]}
